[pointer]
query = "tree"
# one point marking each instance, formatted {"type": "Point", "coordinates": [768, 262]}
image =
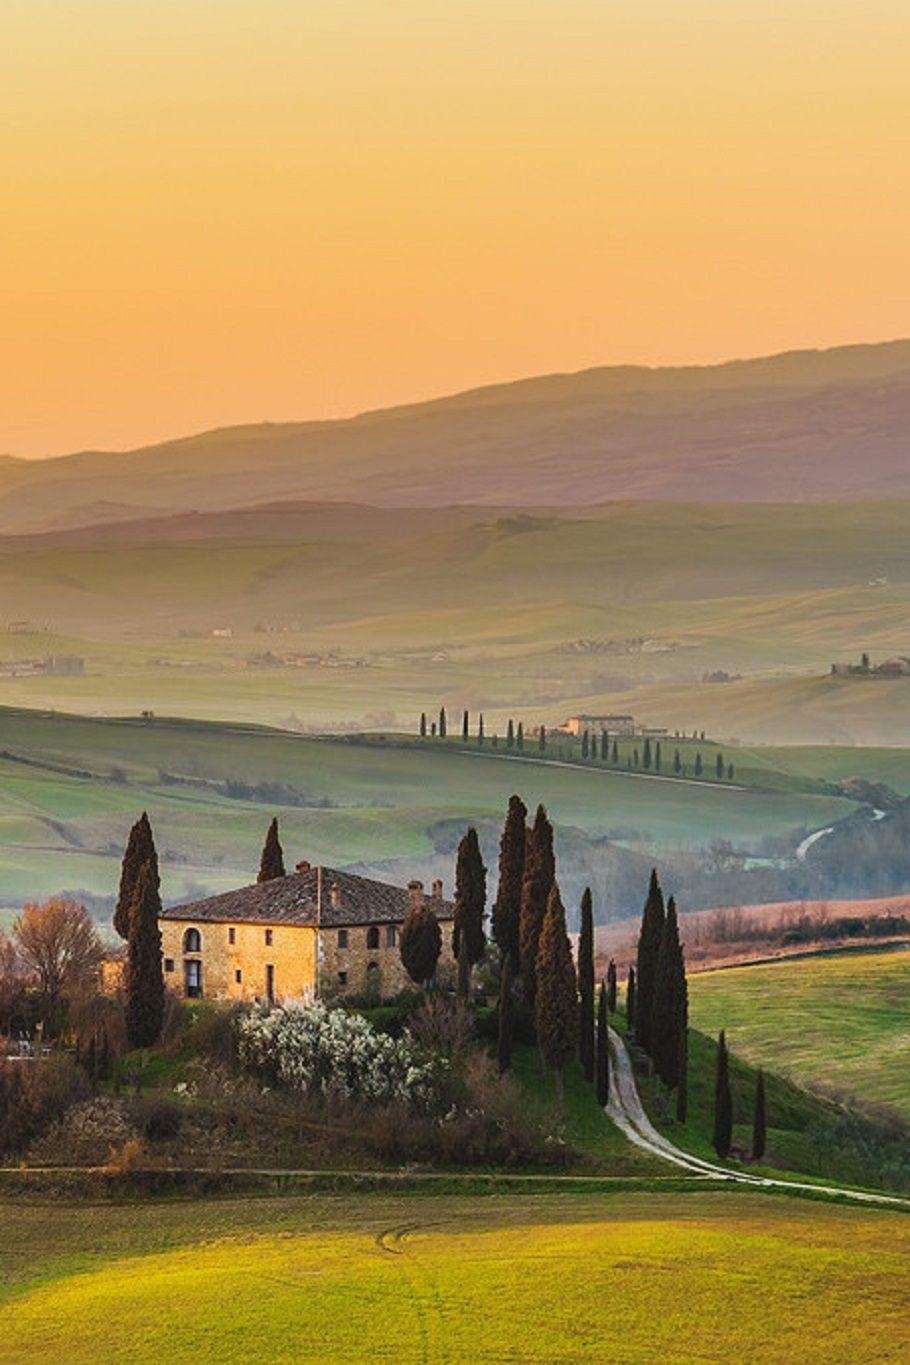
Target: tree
{"type": "Point", "coordinates": [470, 898]}
{"type": "Point", "coordinates": [537, 883]}
{"type": "Point", "coordinates": [520, 737]}
{"type": "Point", "coordinates": [636, 760]}
{"type": "Point", "coordinates": [682, 1089]}
{"type": "Point", "coordinates": [423, 725]}
{"type": "Point", "coordinates": [604, 746]}
{"type": "Point", "coordinates": [652, 923]}
{"type": "Point", "coordinates": [759, 1122]}
{"type": "Point", "coordinates": [698, 765]}
{"type": "Point", "coordinates": [144, 977]}
{"type": "Point", "coordinates": [723, 1101]}
{"type": "Point", "coordinates": [719, 767]}
{"type": "Point", "coordinates": [271, 864]}
{"type": "Point", "coordinates": [510, 734]}
{"type": "Point", "coordinates": [556, 998]}
{"type": "Point", "coordinates": [631, 1003]}
{"type": "Point", "coordinates": [729, 772]}
{"type": "Point", "coordinates": [140, 849]}
{"type": "Point", "coordinates": [586, 987]}
{"type": "Point", "coordinates": [542, 739]}
{"type": "Point", "coordinates": [677, 762]}
{"type": "Point", "coordinates": [585, 742]}
{"type": "Point", "coordinates": [480, 729]}
{"type": "Point", "coordinates": [611, 986]}
{"type": "Point", "coordinates": [58, 945]}
{"type": "Point", "coordinates": [615, 752]}
{"type": "Point", "coordinates": [420, 943]}
{"type": "Point", "coordinates": [506, 1023]}
{"type": "Point", "coordinates": [442, 722]}
{"type": "Point", "coordinates": [603, 1049]}
{"type": "Point", "coordinates": [507, 909]}
{"type": "Point", "coordinates": [669, 1010]}
{"type": "Point", "coordinates": [658, 759]}
{"type": "Point", "coordinates": [646, 757]}
{"type": "Point", "coordinates": [465, 720]}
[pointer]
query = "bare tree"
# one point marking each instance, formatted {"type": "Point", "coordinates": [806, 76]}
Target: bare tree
{"type": "Point", "coordinates": [12, 981]}
{"type": "Point", "coordinates": [59, 946]}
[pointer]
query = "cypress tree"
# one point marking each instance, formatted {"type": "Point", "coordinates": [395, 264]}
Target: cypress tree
{"type": "Point", "coordinates": [585, 742]}
{"type": "Point", "coordinates": [510, 734]}
{"type": "Point", "coordinates": [506, 1023]}
{"type": "Point", "coordinates": [556, 999]}
{"type": "Point", "coordinates": [652, 923]}
{"type": "Point", "coordinates": [603, 1049]}
{"type": "Point", "coordinates": [631, 1004]}
{"type": "Point", "coordinates": [669, 1011]}
{"type": "Point", "coordinates": [420, 943]}
{"type": "Point", "coordinates": [542, 739]}
{"type": "Point", "coordinates": [611, 986]}
{"type": "Point", "coordinates": [433, 730]}
{"type": "Point", "coordinates": [657, 757]}
{"type": "Point", "coordinates": [682, 1089]}
{"type": "Point", "coordinates": [144, 976]}
{"type": "Point", "coordinates": [480, 729]}
{"type": "Point", "coordinates": [140, 849]}
{"type": "Point", "coordinates": [698, 765]}
{"type": "Point", "coordinates": [271, 864]}
{"type": "Point", "coordinates": [723, 1101]}
{"type": "Point", "coordinates": [442, 722]}
{"type": "Point", "coordinates": [604, 746]}
{"type": "Point", "coordinates": [464, 726]}
{"type": "Point", "coordinates": [729, 772]}
{"type": "Point", "coordinates": [760, 1121]}
{"type": "Point", "coordinates": [719, 767]}
{"type": "Point", "coordinates": [586, 987]}
{"type": "Point", "coordinates": [507, 909]}
{"type": "Point", "coordinates": [646, 758]}
{"type": "Point", "coordinates": [520, 737]}
{"type": "Point", "coordinates": [423, 725]}
{"type": "Point", "coordinates": [677, 762]}
{"type": "Point", "coordinates": [470, 898]}
{"type": "Point", "coordinates": [537, 883]}
{"type": "Point", "coordinates": [615, 752]}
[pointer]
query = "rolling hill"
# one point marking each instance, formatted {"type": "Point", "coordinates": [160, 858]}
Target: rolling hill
{"type": "Point", "coordinates": [803, 425]}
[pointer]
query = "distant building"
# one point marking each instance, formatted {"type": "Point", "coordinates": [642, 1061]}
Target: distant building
{"type": "Point", "coordinates": [611, 725]}
{"type": "Point", "coordinates": [64, 665]}
{"type": "Point", "coordinates": [316, 931]}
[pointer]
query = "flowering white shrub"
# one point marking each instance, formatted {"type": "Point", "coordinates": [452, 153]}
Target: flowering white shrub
{"type": "Point", "coordinates": [330, 1052]}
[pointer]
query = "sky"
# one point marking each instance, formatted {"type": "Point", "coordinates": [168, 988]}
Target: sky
{"type": "Point", "coordinates": [222, 211]}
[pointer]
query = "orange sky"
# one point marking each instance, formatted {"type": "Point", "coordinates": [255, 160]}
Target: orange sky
{"type": "Point", "coordinates": [228, 210]}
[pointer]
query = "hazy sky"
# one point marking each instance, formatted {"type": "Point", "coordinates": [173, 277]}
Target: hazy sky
{"type": "Point", "coordinates": [218, 211]}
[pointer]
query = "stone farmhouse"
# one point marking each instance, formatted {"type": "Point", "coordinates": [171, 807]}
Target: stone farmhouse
{"type": "Point", "coordinates": [314, 932]}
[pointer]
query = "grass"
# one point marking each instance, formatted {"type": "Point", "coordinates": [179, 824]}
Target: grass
{"type": "Point", "coordinates": [834, 1021]}
{"type": "Point", "coordinates": [698, 1276]}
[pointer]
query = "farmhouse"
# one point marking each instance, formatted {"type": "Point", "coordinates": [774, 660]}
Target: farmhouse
{"type": "Point", "coordinates": [316, 931]}
{"type": "Point", "coordinates": [611, 725]}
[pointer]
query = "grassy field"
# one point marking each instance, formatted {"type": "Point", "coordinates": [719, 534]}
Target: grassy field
{"type": "Point", "coordinates": [712, 1277]}
{"type": "Point", "coordinates": [838, 1021]}
{"type": "Point", "coordinates": [70, 788]}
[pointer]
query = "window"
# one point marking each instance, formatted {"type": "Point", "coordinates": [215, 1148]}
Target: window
{"type": "Point", "coordinates": [192, 941]}
{"type": "Point", "coordinates": [373, 936]}
{"type": "Point", "coordinates": [192, 977]}
{"type": "Point", "coordinates": [168, 964]}
{"type": "Point", "coordinates": [268, 938]}
{"type": "Point", "coordinates": [238, 976]}
{"type": "Point", "coordinates": [342, 938]}
{"type": "Point", "coordinates": [232, 935]}
{"type": "Point", "coordinates": [391, 935]}
{"type": "Point", "coordinates": [342, 978]}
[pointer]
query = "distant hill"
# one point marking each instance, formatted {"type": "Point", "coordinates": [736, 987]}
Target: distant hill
{"type": "Point", "coordinates": [805, 425]}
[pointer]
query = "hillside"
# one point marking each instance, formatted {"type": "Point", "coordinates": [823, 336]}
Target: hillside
{"type": "Point", "coordinates": [804, 425]}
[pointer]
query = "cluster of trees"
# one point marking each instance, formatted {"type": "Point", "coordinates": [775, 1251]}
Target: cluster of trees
{"type": "Point", "coordinates": [49, 968]}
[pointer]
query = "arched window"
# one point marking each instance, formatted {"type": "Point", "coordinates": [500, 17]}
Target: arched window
{"type": "Point", "coordinates": [373, 936]}
{"type": "Point", "coordinates": [192, 941]}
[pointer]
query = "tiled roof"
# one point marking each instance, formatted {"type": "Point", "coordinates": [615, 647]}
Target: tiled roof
{"type": "Point", "coordinates": [319, 896]}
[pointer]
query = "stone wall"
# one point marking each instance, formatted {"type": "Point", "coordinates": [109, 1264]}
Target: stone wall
{"type": "Point", "coordinates": [291, 953]}
{"type": "Point", "coordinates": [346, 970]}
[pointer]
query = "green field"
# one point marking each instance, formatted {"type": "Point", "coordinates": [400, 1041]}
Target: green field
{"type": "Point", "coordinates": [838, 1022]}
{"type": "Point", "coordinates": [697, 1276]}
{"type": "Point", "coordinates": [70, 788]}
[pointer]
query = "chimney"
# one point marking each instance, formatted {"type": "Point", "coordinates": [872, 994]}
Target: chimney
{"type": "Point", "coordinates": [303, 866]}
{"type": "Point", "coordinates": [437, 889]}
{"type": "Point", "coordinates": [415, 891]}
{"type": "Point", "coordinates": [335, 895]}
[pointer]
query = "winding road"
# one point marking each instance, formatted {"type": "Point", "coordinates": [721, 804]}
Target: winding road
{"type": "Point", "coordinates": [626, 1110]}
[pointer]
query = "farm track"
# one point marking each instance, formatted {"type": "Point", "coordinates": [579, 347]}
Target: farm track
{"type": "Point", "coordinates": [626, 1110]}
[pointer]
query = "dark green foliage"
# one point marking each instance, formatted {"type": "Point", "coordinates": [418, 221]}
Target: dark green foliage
{"type": "Point", "coordinates": [542, 739]}
{"type": "Point", "coordinates": [604, 746]}
{"type": "Point", "coordinates": [611, 986]}
{"type": "Point", "coordinates": [520, 737]}
{"type": "Point", "coordinates": [480, 729]}
{"type": "Point", "coordinates": [140, 849]}
{"type": "Point", "coordinates": [586, 987]}
{"type": "Point", "coordinates": [510, 734]}
{"type": "Point", "coordinates": [615, 752]}
{"type": "Point", "coordinates": [442, 722]}
{"type": "Point", "coordinates": [465, 719]}
{"type": "Point", "coordinates": [652, 925]}
{"type": "Point", "coordinates": [723, 1101]}
{"type": "Point", "coordinates": [470, 898]}
{"type": "Point", "coordinates": [631, 1002]}
{"type": "Point", "coordinates": [271, 864]}
{"type": "Point", "coordinates": [682, 1089]}
{"type": "Point", "coordinates": [729, 772]}
{"type": "Point", "coordinates": [144, 976]}
{"type": "Point", "coordinates": [423, 725]}
{"type": "Point", "coordinates": [646, 757]}
{"type": "Point", "coordinates": [760, 1120]}
{"type": "Point", "coordinates": [585, 743]}
{"type": "Point", "coordinates": [698, 765]}
{"type": "Point", "coordinates": [420, 943]}
{"type": "Point", "coordinates": [556, 999]}
{"type": "Point", "coordinates": [677, 762]}
{"type": "Point", "coordinates": [603, 1049]}
{"type": "Point", "coordinates": [719, 767]}
{"type": "Point", "coordinates": [507, 910]}
{"type": "Point", "coordinates": [505, 1034]}
{"type": "Point", "coordinates": [539, 876]}
{"type": "Point", "coordinates": [670, 1007]}
{"type": "Point", "coordinates": [657, 757]}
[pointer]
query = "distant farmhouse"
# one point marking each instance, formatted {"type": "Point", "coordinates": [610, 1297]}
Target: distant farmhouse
{"type": "Point", "coordinates": [315, 932]}
{"type": "Point", "coordinates": [897, 667]}
{"type": "Point", "coordinates": [611, 725]}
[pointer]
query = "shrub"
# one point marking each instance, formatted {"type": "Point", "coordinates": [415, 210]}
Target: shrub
{"type": "Point", "coordinates": [331, 1052]}
{"type": "Point", "coordinates": [34, 1094]}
